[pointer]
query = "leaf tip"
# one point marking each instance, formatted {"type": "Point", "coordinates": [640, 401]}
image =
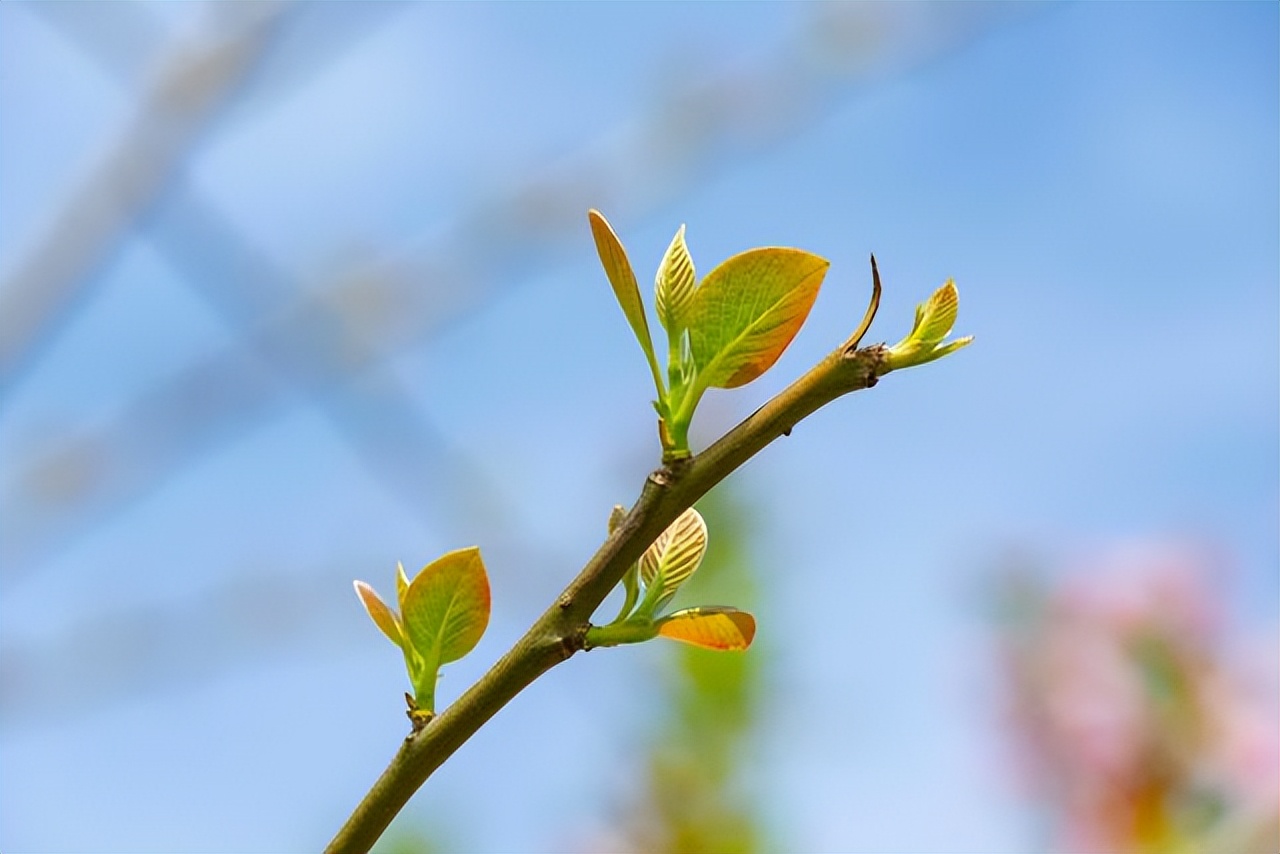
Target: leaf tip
{"type": "Point", "coordinates": [383, 617]}
{"type": "Point", "coordinates": [933, 322]}
{"type": "Point", "coordinates": [402, 584]}
{"type": "Point", "coordinates": [746, 624]}
{"type": "Point", "coordinates": [715, 627]}
{"type": "Point", "coordinates": [606, 238]}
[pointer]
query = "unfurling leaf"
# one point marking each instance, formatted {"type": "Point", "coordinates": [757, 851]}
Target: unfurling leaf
{"type": "Point", "coordinates": [402, 585]}
{"type": "Point", "coordinates": [712, 627]}
{"type": "Point", "coordinates": [673, 290]}
{"type": "Point", "coordinates": [623, 280]}
{"type": "Point", "coordinates": [383, 617]}
{"type": "Point", "coordinates": [747, 310]}
{"type": "Point", "coordinates": [936, 317]}
{"type": "Point", "coordinates": [933, 322]}
{"type": "Point", "coordinates": [446, 608]}
{"type": "Point", "coordinates": [675, 554]}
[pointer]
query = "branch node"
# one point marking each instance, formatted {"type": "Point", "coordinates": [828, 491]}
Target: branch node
{"type": "Point", "coordinates": [575, 641]}
{"type": "Point", "coordinates": [419, 718]}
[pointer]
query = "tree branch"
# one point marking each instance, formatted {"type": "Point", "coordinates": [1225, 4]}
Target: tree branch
{"type": "Point", "coordinates": [560, 631]}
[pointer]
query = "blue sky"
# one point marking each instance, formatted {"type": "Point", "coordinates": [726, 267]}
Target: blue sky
{"type": "Point", "coordinates": [1100, 180]}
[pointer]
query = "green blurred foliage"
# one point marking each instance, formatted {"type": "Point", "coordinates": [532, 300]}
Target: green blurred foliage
{"type": "Point", "coordinates": [697, 794]}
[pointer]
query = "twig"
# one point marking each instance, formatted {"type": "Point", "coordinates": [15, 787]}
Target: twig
{"type": "Point", "coordinates": [560, 631]}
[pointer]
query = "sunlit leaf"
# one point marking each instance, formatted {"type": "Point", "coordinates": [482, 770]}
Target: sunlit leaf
{"type": "Point", "coordinates": [383, 617]}
{"type": "Point", "coordinates": [676, 553]}
{"type": "Point", "coordinates": [618, 268]}
{"type": "Point", "coordinates": [673, 290]}
{"type": "Point", "coordinates": [936, 317]}
{"type": "Point", "coordinates": [446, 609]}
{"type": "Point", "coordinates": [402, 585]}
{"type": "Point", "coordinates": [712, 627]}
{"type": "Point", "coordinates": [747, 310]}
{"type": "Point", "coordinates": [952, 346]}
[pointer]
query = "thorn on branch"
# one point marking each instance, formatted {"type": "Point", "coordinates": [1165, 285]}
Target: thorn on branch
{"type": "Point", "coordinates": [851, 346]}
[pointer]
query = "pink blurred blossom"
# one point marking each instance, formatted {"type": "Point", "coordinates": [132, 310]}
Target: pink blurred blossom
{"type": "Point", "coordinates": [1134, 726]}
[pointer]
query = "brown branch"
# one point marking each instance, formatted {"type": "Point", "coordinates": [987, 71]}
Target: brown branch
{"type": "Point", "coordinates": [559, 632]}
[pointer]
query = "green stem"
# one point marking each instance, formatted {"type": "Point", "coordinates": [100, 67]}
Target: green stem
{"type": "Point", "coordinates": [649, 604]}
{"type": "Point", "coordinates": [631, 583]}
{"type": "Point", "coordinates": [657, 380]}
{"type": "Point", "coordinates": [424, 683]}
{"type": "Point", "coordinates": [682, 416]}
{"type": "Point", "coordinates": [562, 630]}
{"type": "Point", "coordinates": [675, 369]}
{"type": "Point", "coordinates": [631, 631]}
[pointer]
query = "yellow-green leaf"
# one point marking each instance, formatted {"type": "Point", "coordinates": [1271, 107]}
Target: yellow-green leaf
{"type": "Point", "coordinates": [383, 617]}
{"type": "Point", "coordinates": [676, 553]}
{"type": "Point", "coordinates": [938, 315]}
{"type": "Point", "coordinates": [712, 627]}
{"type": "Point", "coordinates": [623, 279]}
{"type": "Point", "coordinates": [747, 310]}
{"type": "Point", "coordinates": [934, 319]}
{"type": "Point", "coordinates": [673, 289]}
{"type": "Point", "coordinates": [402, 585]}
{"type": "Point", "coordinates": [446, 608]}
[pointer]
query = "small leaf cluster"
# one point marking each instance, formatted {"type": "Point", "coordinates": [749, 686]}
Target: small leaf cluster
{"type": "Point", "coordinates": [722, 332]}
{"type": "Point", "coordinates": [444, 612]}
{"type": "Point", "coordinates": [652, 581]}
{"type": "Point", "coordinates": [934, 319]}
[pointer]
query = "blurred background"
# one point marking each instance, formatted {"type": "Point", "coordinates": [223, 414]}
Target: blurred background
{"type": "Point", "coordinates": [289, 293]}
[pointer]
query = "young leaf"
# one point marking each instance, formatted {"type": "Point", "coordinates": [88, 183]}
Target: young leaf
{"type": "Point", "coordinates": [747, 310]}
{"type": "Point", "coordinates": [673, 290]}
{"type": "Point", "coordinates": [675, 554]}
{"type": "Point", "coordinates": [402, 585]}
{"type": "Point", "coordinates": [934, 319]}
{"type": "Point", "coordinates": [712, 627]}
{"type": "Point", "coordinates": [382, 616]}
{"type": "Point", "coordinates": [618, 268]}
{"type": "Point", "coordinates": [938, 315]}
{"type": "Point", "coordinates": [446, 609]}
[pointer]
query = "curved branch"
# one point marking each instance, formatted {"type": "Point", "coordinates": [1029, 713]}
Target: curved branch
{"type": "Point", "coordinates": [560, 631]}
